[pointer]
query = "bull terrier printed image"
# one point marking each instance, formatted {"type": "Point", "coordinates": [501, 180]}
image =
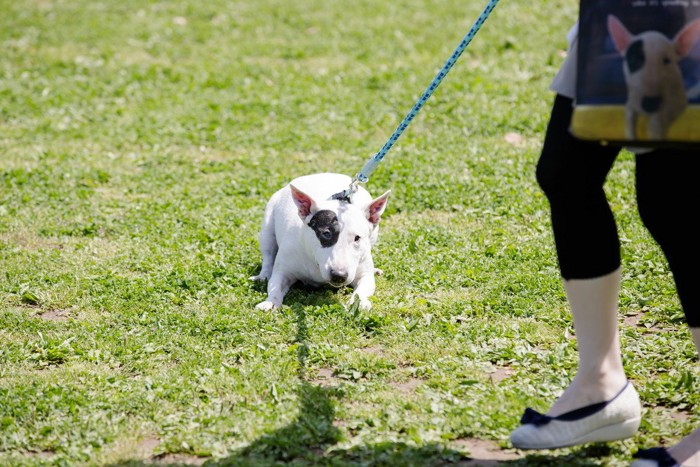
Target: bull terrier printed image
{"type": "Point", "coordinates": [655, 86]}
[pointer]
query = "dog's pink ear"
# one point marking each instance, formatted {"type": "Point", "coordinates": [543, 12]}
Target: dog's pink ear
{"type": "Point", "coordinates": [376, 208]}
{"type": "Point", "coordinates": [686, 38]}
{"type": "Point", "coordinates": [304, 203]}
{"type": "Point", "coordinates": [619, 33]}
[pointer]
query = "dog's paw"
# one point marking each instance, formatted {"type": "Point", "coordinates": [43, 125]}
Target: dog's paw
{"type": "Point", "coordinates": [378, 272]}
{"type": "Point", "coordinates": [259, 278]}
{"type": "Point", "coordinates": [359, 303]}
{"type": "Point", "coordinates": [265, 306]}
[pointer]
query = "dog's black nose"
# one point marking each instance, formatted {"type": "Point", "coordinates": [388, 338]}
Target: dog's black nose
{"type": "Point", "coordinates": [338, 277]}
{"type": "Point", "coordinates": [651, 104]}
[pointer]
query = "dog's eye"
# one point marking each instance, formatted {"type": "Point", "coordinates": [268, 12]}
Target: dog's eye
{"type": "Point", "coordinates": [357, 238]}
{"type": "Point", "coordinates": [327, 234]}
{"type": "Point", "coordinates": [666, 60]}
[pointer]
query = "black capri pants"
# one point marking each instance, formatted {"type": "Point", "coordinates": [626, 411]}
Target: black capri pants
{"type": "Point", "coordinates": [572, 172]}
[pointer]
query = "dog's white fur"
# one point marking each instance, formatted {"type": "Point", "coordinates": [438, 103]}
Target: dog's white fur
{"type": "Point", "coordinates": [655, 85]}
{"type": "Point", "coordinates": [291, 238]}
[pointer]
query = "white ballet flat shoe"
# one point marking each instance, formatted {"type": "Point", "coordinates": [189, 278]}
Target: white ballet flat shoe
{"type": "Point", "coordinates": [611, 420]}
{"type": "Point", "coordinates": [654, 457]}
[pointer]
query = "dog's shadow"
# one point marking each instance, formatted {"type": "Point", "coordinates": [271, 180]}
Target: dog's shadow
{"type": "Point", "coordinates": [305, 441]}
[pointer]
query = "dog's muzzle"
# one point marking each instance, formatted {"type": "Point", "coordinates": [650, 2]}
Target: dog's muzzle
{"type": "Point", "coordinates": [338, 279]}
{"type": "Point", "coordinates": [651, 104]}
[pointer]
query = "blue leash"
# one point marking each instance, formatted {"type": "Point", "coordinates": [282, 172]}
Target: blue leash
{"type": "Point", "coordinates": [374, 161]}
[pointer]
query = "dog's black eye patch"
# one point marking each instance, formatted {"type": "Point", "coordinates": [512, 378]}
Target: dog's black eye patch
{"type": "Point", "coordinates": [325, 224]}
{"type": "Point", "coordinates": [635, 56]}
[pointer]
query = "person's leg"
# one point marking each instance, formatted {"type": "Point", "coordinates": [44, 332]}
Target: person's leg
{"type": "Point", "coordinates": [572, 173]}
{"type": "Point", "coordinates": [687, 451]}
{"type": "Point", "coordinates": [667, 196]}
{"type": "Point", "coordinates": [684, 453]}
{"type": "Point", "coordinates": [600, 374]}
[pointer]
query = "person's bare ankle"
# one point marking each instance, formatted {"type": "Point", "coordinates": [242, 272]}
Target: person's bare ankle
{"type": "Point", "coordinates": [587, 389]}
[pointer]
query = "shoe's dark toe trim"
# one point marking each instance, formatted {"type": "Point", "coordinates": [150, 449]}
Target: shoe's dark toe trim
{"type": "Point", "coordinates": [660, 455]}
{"type": "Point", "coordinates": [532, 416]}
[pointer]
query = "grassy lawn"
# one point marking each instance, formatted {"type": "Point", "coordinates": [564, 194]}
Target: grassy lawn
{"type": "Point", "coordinates": [140, 141]}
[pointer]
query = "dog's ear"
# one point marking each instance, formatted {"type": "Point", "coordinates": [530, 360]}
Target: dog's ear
{"type": "Point", "coordinates": [686, 38]}
{"type": "Point", "coordinates": [619, 33]}
{"type": "Point", "coordinates": [304, 202]}
{"type": "Point", "coordinates": [376, 208]}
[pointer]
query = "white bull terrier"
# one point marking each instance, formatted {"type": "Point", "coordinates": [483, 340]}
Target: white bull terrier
{"type": "Point", "coordinates": [308, 236]}
{"type": "Point", "coordinates": [654, 81]}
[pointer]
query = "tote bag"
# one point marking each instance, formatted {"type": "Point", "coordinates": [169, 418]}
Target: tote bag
{"type": "Point", "coordinates": [638, 73]}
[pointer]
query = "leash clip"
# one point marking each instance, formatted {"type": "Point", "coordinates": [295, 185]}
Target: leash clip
{"type": "Point", "coordinates": [349, 191]}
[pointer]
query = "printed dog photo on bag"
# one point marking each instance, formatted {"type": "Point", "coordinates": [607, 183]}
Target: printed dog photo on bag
{"type": "Point", "coordinates": [655, 86]}
{"type": "Point", "coordinates": [638, 78]}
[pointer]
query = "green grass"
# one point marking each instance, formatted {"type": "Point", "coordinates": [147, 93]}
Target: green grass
{"type": "Point", "coordinates": [140, 141]}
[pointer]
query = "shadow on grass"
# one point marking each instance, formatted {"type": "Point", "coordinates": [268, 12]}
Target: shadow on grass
{"type": "Point", "coordinates": [301, 294]}
{"type": "Point", "coordinates": [307, 440]}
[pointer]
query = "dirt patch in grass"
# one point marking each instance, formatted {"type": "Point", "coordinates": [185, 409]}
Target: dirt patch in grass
{"type": "Point", "coordinates": [55, 315]}
{"type": "Point", "coordinates": [41, 454]}
{"type": "Point", "coordinates": [407, 387]}
{"type": "Point", "coordinates": [483, 453]}
{"type": "Point", "coordinates": [681, 416]}
{"type": "Point", "coordinates": [29, 241]}
{"type": "Point", "coordinates": [178, 459]}
{"type": "Point", "coordinates": [324, 377]}
{"type": "Point", "coordinates": [499, 374]}
{"type": "Point", "coordinates": [147, 446]}
{"type": "Point", "coordinates": [374, 350]}
{"type": "Point", "coordinates": [635, 321]}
